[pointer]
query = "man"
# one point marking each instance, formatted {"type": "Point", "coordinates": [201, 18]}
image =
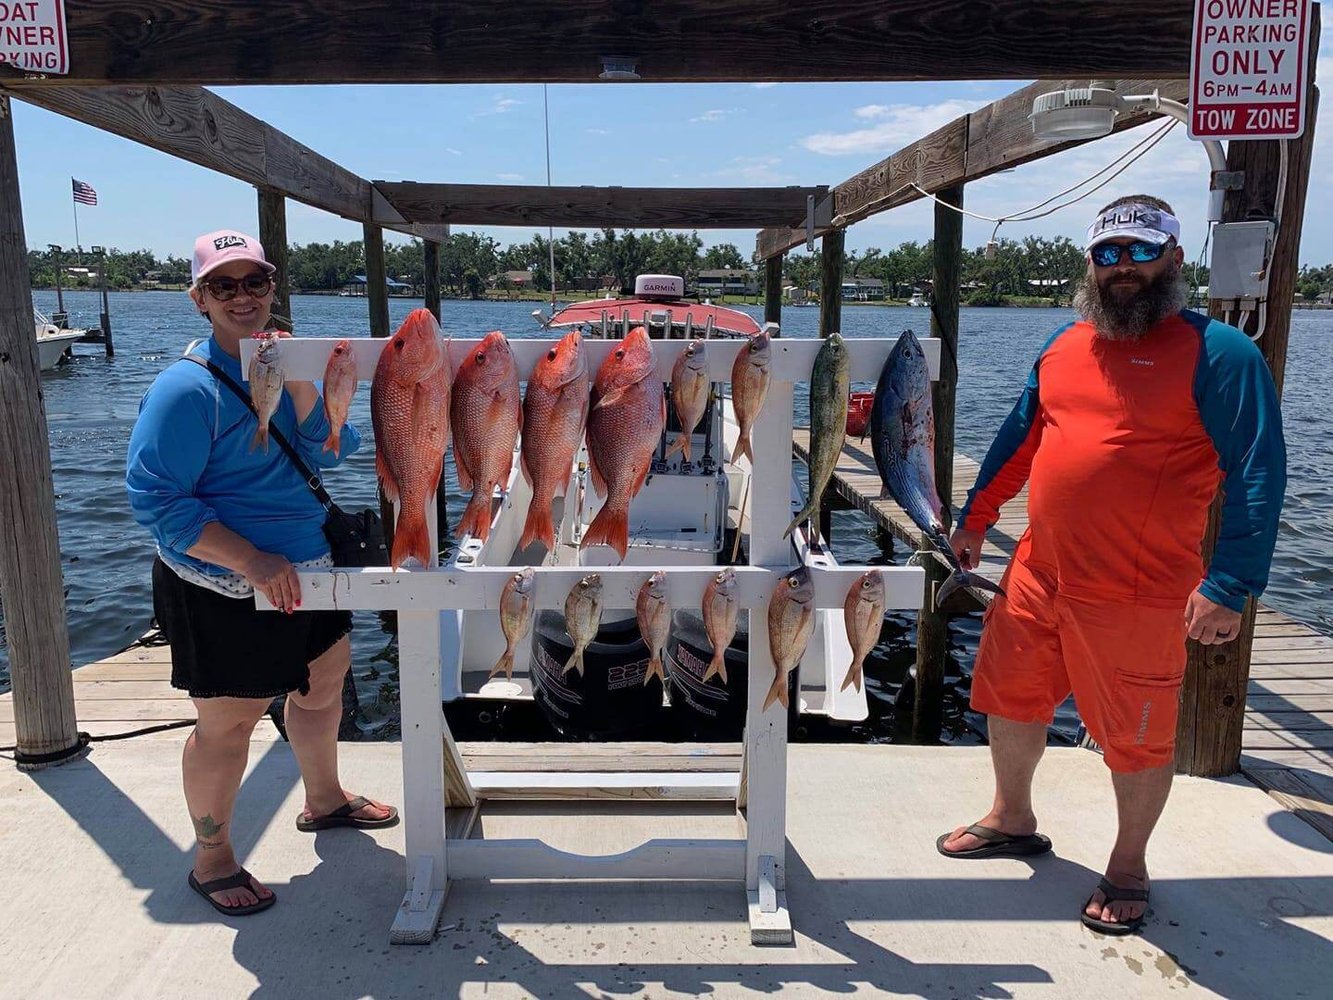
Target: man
{"type": "Point", "coordinates": [1131, 420]}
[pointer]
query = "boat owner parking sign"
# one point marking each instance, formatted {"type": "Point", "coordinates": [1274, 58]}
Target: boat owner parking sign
{"type": "Point", "coordinates": [1247, 69]}
{"type": "Point", "coordinates": [33, 36]}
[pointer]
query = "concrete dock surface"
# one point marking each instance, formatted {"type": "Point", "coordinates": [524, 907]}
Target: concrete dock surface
{"type": "Point", "coordinates": [94, 903]}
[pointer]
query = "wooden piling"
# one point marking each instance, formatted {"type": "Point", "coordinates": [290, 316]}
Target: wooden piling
{"type": "Point", "coordinates": [1212, 708]}
{"type": "Point", "coordinates": [108, 342]}
{"type": "Point", "coordinates": [377, 288]}
{"type": "Point", "coordinates": [773, 289]}
{"type": "Point", "coordinates": [932, 632]}
{"type": "Point", "coordinates": [273, 238]}
{"type": "Point", "coordinates": [830, 282]}
{"type": "Point", "coordinates": [30, 577]}
{"type": "Point", "coordinates": [431, 252]}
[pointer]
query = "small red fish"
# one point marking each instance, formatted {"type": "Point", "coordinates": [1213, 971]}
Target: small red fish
{"type": "Point", "coordinates": [487, 413]}
{"type": "Point", "coordinates": [750, 375]}
{"type": "Point", "coordinates": [791, 619]}
{"type": "Point", "coordinates": [624, 429]}
{"type": "Point", "coordinates": [555, 411]}
{"type": "Point", "coordinates": [409, 408]}
{"type": "Point", "coordinates": [339, 388]}
{"type": "Point", "coordinates": [689, 393]}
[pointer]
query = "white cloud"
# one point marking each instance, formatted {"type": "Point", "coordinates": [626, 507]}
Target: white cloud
{"type": "Point", "coordinates": [509, 177]}
{"type": "Point", "coordinates": [715, 115]}
{"type": "Point", "coordinates": [598, 131]}
{"type": "Point", "coordinates": [764, 86]}
{"type": "Point", "coordinates": [501, 105]}
{"type": "Point", "coordinates": [755, 170]}
{"type": "Point", "coordinates": [898, 125]}
{"type": "Point", "coordinates": [453, 152]}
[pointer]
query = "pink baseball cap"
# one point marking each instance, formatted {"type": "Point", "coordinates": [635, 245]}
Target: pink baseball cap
{"type": "Point", "coordinates": [212, 250]}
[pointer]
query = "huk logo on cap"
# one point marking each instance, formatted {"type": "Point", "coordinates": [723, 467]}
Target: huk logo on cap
{"type": "Point", "coordinates": [1132, 215]}
{"type": "Point", "coordinates": [222, 242]}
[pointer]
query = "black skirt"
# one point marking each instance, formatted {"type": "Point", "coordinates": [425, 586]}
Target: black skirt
{"type": "Point", "coordinates": [221, 647]}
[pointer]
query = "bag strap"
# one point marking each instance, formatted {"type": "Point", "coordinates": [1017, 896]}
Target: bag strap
{"type": "Point", "coordinates": [312, 480]}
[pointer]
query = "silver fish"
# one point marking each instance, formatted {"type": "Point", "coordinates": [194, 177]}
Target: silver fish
{"type": "Point", "coordinates": [583, 617]}
{"type": "Point", "coordinates": [266, 377]}
{"type": "Point", "coordinates": [689, 393]}
{"type": "Point", "coordinates": [830, 382]}
{"type": "Point", "coordinates": [902, 437]}
{"type": "Point", "coordinates": [515, 616]}
{"type": "Point", "coordinates": [863, 614]}
{"type": "Point", "coordinates": [653, 612]}
{"type": "Point", "coordinates": [791, 619]}
{"type": "Point", "coordinates": [720, 613]}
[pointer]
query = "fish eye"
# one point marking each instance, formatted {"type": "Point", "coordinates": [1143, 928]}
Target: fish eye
{"type": "Point", "coordinates": [550, 355]}
{"type": "Point", "coordinates": [481, 357]}
{"type": "Point", "coordinates": [620, 354]}
{"type": "Point", "coordinates": [397, 345]}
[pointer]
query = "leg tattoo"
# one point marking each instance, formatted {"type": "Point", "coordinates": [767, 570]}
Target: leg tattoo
{"type": "Point", "coordinates": [207, 830]}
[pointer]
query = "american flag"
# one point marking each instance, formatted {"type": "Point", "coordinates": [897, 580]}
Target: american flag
{"type": "Point", "coordinates": [84, 193]}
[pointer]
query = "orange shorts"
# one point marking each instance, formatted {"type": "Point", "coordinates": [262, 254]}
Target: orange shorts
{"type": "Point", "coordinates": [1124, 662]}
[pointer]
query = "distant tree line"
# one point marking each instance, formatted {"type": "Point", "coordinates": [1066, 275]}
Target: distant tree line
{"type": "Point", "coordinates": [471, 263]}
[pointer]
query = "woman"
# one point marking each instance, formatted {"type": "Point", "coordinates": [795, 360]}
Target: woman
{"type": "Point", "coordinates": [229, 520]}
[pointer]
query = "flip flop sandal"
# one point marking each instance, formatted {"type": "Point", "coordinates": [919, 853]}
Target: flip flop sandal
{"type": "Point", "coordinates": [998, 844]}
{"type": "Point", "coordinates": [240, 879]}
{"type": "Point", "coordinates": [342, 816]}
{"type": "Point", "coordinates": [1114, 893]}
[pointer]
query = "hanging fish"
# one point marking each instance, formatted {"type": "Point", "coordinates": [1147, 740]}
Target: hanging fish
{"type": "Point", "coordinates": [339, 388]}
{"type": "Point", "coordinates": [689, 393]}
{"type": "Point", "coordinates": [555, 410]}
{"type": "Point", "coordinates": [863, 615]}
{"type": "Point", "coordinates": [583, 617]}
{"type": "Point", "coordinates": [902, 437]}
{"type": "Point", "coordinates": [830, 384]}
{"type": "Point", "coordinates": [487, 413]}
{"type": "Point", "coordinates": [266, 378]}
{"type": "Point", "coordinates": [791, 619]}
{"type": "Point", "coordinates": [750, 375]}
{"type": "Point", "coordinates": [654, 616]}
{"type": "Point", "coordinates": [515, 616]}
{"type": "Point", "coordinates": [721, 611]}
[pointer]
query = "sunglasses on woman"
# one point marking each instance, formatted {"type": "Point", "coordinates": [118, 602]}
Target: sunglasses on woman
{"type": "Point", "coordinates": [1140, 252]}
{"type": "Point", "coordinates": [224, 289]}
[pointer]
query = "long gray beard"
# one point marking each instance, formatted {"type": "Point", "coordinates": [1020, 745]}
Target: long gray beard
{"type": "Point", "coordinates": [1131, 318]}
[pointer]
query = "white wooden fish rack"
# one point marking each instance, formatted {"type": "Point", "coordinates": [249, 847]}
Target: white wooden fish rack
{"type": "Point", "coordinates": [434, 774]}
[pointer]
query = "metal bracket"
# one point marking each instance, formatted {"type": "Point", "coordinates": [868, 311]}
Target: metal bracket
{"type": "Point", "coordinates": [1228, 180]}
{"type": "Point", "coordinates": [809, 223]}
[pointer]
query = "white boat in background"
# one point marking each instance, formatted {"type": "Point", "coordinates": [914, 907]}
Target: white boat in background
{"type": "Point", "coordinates": [918, 300]}
{"type": "Point", "coordinates": [54, 345]}
{"type": "Point", "coordinates": [687, 514]}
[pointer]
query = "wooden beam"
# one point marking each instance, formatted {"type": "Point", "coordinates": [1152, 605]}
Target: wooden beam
{"type": "Point", "coordinates": [830, 282]}
{"type": "Point", "coordinates": [273, 238]}
{"type": "Point", "coordinates": [994, 138]}
{"type": "Point", "coordinates": [377, 288]}
{"type": "Point", "coordinates": [431, 290]}
{"type": "Point", "coordinates": [932, 628]}
{"type": "Point", "coordinates": [30, 575]}
{"type": "Point", "coordinates": [773, 290]}
{"type": "Point", "coordinates": [636, 208]}
{"type": "Point", "coordinates": [535, 41]}
{"type": "Point", "coordinates": [1212, 710]}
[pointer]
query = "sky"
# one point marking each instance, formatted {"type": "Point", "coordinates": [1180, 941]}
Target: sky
{"type": "Point", "coordinates": [639, 134]}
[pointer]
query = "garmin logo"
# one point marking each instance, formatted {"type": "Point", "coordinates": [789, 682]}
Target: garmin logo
{"type": "Point", "coordinates": [222, 242]}
{"type": "Point", "coordinates": [657, 286]}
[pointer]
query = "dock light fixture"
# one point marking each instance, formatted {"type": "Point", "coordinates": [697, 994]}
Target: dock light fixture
{"type": "Point", "coordinates": [619, 68]}
{"type": "Point", "coordinates": [97, 250]}
{"type": "Point", "coordinates": [1089, 112]}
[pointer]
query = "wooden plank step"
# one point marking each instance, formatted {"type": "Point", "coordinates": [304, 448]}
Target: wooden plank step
{"type": "Point", "coordinates": [1263, 739]}
{"type": "Point", "coordinates": [1268, 704]}
{"type": "Point", "coordinates": [1289, 687]}
{"type": "Point", "coordinates": [127, 709]}
{"type": "Point", "coordinates": [104, 671]}
{"type": "Point", "coordinates": [1313, 761]}
{"type": "Point", "coordinates": [1310, 800]}
{"type": "Point", "coordinates": [1296, 721]}
{"type": "Point", "coordinates": [566, 757]}
{"type": "Point", "coordinates": [540, 785]}
{"type": "Point", "coordinates": [159, 690]}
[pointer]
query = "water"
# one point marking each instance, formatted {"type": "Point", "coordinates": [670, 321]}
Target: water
{"type": "Point", "coordinates": [92, 403]}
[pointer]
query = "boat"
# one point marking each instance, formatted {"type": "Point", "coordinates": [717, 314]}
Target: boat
{"type": "Point", "coordinates": [54, 344]}
{"type": "Point", "coordinates": [687, 514]}
{"type": "Point", "coordinates": [918, 300]}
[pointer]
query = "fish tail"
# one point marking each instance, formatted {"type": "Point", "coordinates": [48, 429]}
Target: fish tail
{"type": "Point", "coordinates": [334, 443]}
{"type": "Point", "coordinates": [743, 448]}
{"type": "Point", "coordinates": [609, 527]}
{"type": "Point", "coordinates": [682, 445]}
{"type": "Point", "coordinates": [261, 437]}
{"type": "Point", "coordinates": [808, 512]}
{"type": "Point", "coordinates": [718, 664]}
{"type": "Point", "coordinates": [476, 519]}
{"type": "Point", "coordinates": [853, 676]}
{"type": "Point", "coordinates": [964, 578]}
{"type": "Point", "coordinates": [654, 670]}
{"type": "Point", "coordinates": [778, 692]}
{"type": "Point", "coordinates": [411, 539]}
{"type": "Point", "coordinates": [575, 662]}
{"type": "Point", "coordinates": [505, 663]}
{"type": "Point", "coordinates": [538, 527]}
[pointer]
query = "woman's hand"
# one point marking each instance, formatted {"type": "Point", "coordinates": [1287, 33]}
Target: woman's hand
{"type": "Point", "coordinates": [274, 577]}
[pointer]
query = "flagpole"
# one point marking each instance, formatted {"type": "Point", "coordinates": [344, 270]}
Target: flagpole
{"type": "Point", "coordinates": [76, 213]}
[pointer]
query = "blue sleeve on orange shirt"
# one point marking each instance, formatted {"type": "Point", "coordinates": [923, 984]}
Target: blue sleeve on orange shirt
{"type": "Point", "coordinates": [1009, 459]}
{"type": "Point", "coordinates": [1239, 408]}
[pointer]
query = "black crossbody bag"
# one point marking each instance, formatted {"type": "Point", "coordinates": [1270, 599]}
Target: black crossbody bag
{"type": "Point", "coordinates": [356, 538]}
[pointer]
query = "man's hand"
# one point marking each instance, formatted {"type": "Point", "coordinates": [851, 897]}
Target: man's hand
{"type": "Point", "coordinates": [967, 547]}
{"type": "Point", "coordinates": [1210, 623]}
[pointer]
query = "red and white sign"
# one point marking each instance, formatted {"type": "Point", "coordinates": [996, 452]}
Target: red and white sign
{"type": "Point", "coordinates": [33, 36]}
{"type": "Point", "coordinates": [1247, 69]}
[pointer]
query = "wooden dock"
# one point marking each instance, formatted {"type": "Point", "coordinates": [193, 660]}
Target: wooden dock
{"type": "Point", "coordinates": [1287, 747]}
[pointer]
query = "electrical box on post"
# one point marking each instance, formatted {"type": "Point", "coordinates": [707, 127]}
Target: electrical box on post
{"type": "Point", "coordinates": [1241, 254]}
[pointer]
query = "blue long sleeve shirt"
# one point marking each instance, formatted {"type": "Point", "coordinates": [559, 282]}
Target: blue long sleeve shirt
{"type": "Point", "coordinates": [190, 464]}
